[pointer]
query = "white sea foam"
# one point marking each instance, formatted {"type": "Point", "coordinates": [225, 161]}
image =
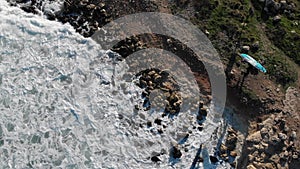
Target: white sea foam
{"type": "Point", "coordinates": [64, 104]}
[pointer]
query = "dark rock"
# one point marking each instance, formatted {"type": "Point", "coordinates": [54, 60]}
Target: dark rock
{"type": "Point", "coordinates": [200, 128]}
{"type": "Point", "coordinates": [223, 149]}
{"type": "Point", "coordinates": [158, 121]}
{"type": "Point", "coordinates": [155, 159]}
{"type": "Point", "coordinates": [233, 154]}
{"type": "Point", "coordinates": [160, 131]}
{"type": "Point", "coordinates": [203, 111]}
{"type": "Point", "coordinates": [213, 159]}
{"type": "Point", "coordinates": [255, 47]}
{"type": "Point", "coordinates": [149, 124]}
{"type": "Point", "coordinates": [200, 159]}
{"type": "Point", "coordinates": [175, 152]}
{"type": "Point", "coordinates": [201, 104]}
{"type": "Point", "coordinates": [200, 117]}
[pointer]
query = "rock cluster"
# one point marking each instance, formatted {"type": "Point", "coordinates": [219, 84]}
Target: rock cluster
{"type": "Point", "coordinates": [129, 46]}
{"type": "Point", "coordinates": [274, 8]}
{"type": "Point", "coordinates": [152, 79]}
{"type": "Point", "coordinates": [227, 151]}
{"type": "Point", "coordinates": [271, 144]}
{"type": "Point", "coordinates": [84, 15]}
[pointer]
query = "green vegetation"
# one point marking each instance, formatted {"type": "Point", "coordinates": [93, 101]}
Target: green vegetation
{"type": "Point", "coordinates": [230, 22]}
{"type": "Point", "coordinates": [286, 36]}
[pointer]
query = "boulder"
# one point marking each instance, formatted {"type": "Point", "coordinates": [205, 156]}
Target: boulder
{"type": "Point", "coordinates": [254, 138]}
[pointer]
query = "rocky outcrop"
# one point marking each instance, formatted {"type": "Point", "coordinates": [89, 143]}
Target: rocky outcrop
{"type": "Point", "coordinates": [271, 144]}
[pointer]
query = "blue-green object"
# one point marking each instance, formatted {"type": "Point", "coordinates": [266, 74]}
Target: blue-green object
{"type": "Point", "coordinates": [253, 62]}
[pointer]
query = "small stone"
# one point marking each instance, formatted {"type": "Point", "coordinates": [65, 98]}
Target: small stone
{"type": "Point", "coordinates": [246, 48]}
{"type": "Point", "coordinates": [230, 130]}
{"type": "Point", "coordinates": [103, 11]}
{"type": "Point", "coordinates": [206, 32]}
{"type": "Point", "coordinates": [293, 135]}
{"type": "Point", "coordinates": [91, 6]}
{"type": "Point", "coordinates": [283, 2]}
{"type": "Point", "coordinates": [295, 156]}
{"type": "Point", "coordinates": [282, 136]}
{"type": "Point", "coordinates": [277, 19]}
{"type": "Point", "coordinates": [255, 137]}
{"type": "Point", "coordinates": [223, 148]}
{"type": "Point", "coordinates": [233, 153]}
{"type": "Point", "coordinates": [101, 5]}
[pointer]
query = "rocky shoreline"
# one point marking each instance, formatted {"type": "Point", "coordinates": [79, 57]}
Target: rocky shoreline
{"type": "Point", "coordinates": [272, 140]}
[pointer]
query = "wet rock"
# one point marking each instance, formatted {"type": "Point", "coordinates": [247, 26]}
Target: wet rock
{"type": "Point", "coordinates": [200, 128]}
{"type": "Point", "coordinates": [158, 121]}
{"type": "Point", "coordinates": [233, 153]}
{"type": "Point", "coordinates": [200, 117]}
{"type": "Point", "coordinates": [149, 124]}
{"type": "Point", "coordinates": [230, 130]}
{"type": "Point", "coordinates": [155, 159]}
{"type": "Point", "coordinates": [223, 149]}
{"type": "Point", "coordinates": [175, 152]}
{"type": "Point", "coordinates": [200, 159]}
{"type": "Point", "coordinates": [201, 104]}
{"type": "Point", "coordinates": [213, 159]}
{"type": "Point", "coordinates": [203, 111]}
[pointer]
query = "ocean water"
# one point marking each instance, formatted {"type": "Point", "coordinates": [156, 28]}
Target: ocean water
{"type": "Point", "coordinates": [65, 104]}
